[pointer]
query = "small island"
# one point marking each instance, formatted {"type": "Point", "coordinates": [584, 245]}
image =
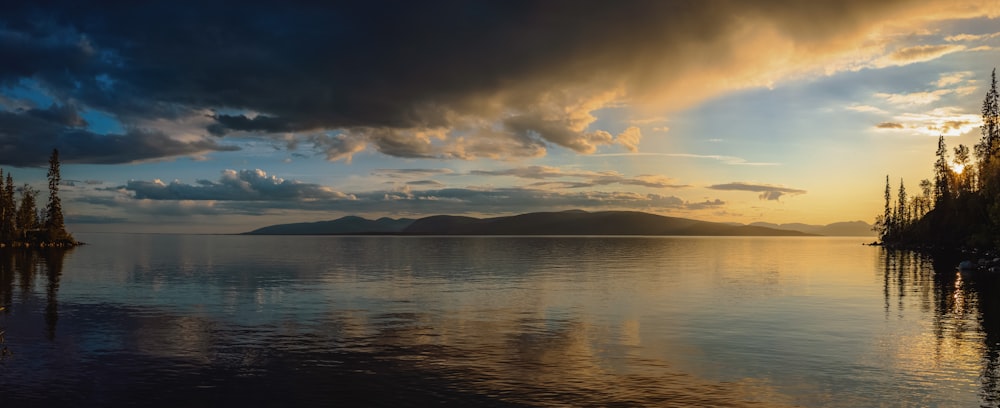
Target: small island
{"type": "Point", "coordinates": [960, 209]}
{"type": "Point", "coordinates": [23, 224]}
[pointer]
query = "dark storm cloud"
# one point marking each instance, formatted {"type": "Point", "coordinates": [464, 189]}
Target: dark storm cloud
{"type": "Point", "coordinates": [31, 44]}
{"type": "Point", "coordinates": [526, 73]}
{"type": "Point", "coordinates": [64, 115]}
{"type": "Point", "coordinates": [767, 191]}
{"type": "Point", "coordinates": [27, 139]}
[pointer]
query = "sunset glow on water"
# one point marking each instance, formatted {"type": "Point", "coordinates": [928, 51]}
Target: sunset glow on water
{"type": "Point", "coordinates": [498, 320]}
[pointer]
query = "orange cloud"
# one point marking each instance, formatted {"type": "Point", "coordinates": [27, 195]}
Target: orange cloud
{"type": "Point", "coordinates": [630, 138]}
{"type": "Point", "coordinates": [922, 53]}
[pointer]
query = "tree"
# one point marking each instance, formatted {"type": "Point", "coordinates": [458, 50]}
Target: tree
{"type": "Point", "coordinates": [960, 205]}
{"type": "Point", "coordinates": [27, 212]}
{"type": "Point", "coordinates": [964, 176]}
{"type": "Point", "coordinates": [989, 144]}
{"type": "Point", "coordinates": [942, 175]}
{"type": "Point", "coordinates": [926, 190]}
{"type": "Point", "coordinates": [6, 216]}
{"type": "Point", "coordinates": [54, 224]}
{"type": "Point", "coordinates": [9, 227]}
{"type": "Point", "coordinates": [902, 218]}
{"type": "Point", "coordinates": [884, 223]}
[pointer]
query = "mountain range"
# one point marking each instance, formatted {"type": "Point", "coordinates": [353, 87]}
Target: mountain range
{"type": "Point", "coordinates": [837, 229]}
{"type": "Point", "coordinates": [573, 222]}
{"type": "Point", "coordinates": [341, 226]}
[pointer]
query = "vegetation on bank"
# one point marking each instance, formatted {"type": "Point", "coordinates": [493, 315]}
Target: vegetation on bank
{"type": "Point", "coordinates": [960, 207]}
{"type": "Point", "coordinates": [22, 223]}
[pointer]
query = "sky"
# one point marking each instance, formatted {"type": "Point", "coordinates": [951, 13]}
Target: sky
{"type": "Point", "coordinates": [220, 117]}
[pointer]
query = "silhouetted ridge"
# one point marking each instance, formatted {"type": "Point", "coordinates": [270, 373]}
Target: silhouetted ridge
{"type": "Point", "coordinates": [837, 229]}
{"type": "Point", "coordinates": [442, 224]}
{"type": "Point", "coordinates": [583, 223]}
{"type": "Point", "coordinates": [573, 222]}
{"type": "Point", "coordinates": [346, 225]}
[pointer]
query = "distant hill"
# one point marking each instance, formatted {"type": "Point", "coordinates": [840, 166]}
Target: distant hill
{"type": "Point", "coordinates": [573, 222]}
{"type": "Point", "coordinates": [584, 223]}
{"type": "Point", "coordinates": [837, 229]}
{"type": "Point", "coordinates": [345, 225]}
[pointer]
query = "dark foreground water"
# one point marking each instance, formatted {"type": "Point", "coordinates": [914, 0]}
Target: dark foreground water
{"type": "Point", "coordinates": [163, 320]}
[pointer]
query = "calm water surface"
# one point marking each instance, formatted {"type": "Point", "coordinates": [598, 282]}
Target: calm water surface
{"type": "Point", "coordinates": [168, 320]}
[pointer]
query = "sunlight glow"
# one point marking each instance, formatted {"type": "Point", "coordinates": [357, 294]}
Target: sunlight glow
{"type": "Point", "coordinates": [957, 168]}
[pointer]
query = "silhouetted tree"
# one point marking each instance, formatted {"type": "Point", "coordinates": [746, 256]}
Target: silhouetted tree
{"type": "Point", "coordinates": [923, 201]}
{"type": "Point", "coordinates": [902, 218]}
{"type": "Point", "coordinates": [942, 175]}
{"type": "Point", "coordinates": [883, 223]}
{"type": "Point", "coordinates": [964, 179]}
{"type": "Point", "coordinates": [956, 208]}
{"type": "Point", "coordinates": [926, 188]}
{"type": "Point", "coordinates": [8, 229]}
{"type": "Point", "coordinates": [27, 212]}
{"type": "Point", "coordinates": [54, 224]}
{"type": "Point", "coordinates": [988, 147]}
{"type": "Point", "coordinates": [6, 214]}
{"type": "Point", "coordinates": [989, 143]}
{"type": "Point", "coordinates": [22, 222]}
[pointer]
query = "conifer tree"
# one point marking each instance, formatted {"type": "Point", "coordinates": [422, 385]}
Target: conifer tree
{"type": "Point", "coordinates": [963, 180]}
{"type": "Point", "coordinates": [926, 191]}
{"type": "Point", "coordinates": [10, 208]}
{"type": "Point", "coordinates": [988, 147]}
{"type": "Point", "coordinates": [902, 217]}
{"type": "Point", "coordinates": [6, 216]}
{"type": "Point", "coordinates": [991, 114]}
{"type": "Point", "coordinates": [54, 223]}
{"type": "Point", "coordinates": [942, 174]}
{"type": "Point", "coordinates": [27, 212]}
{"type": "Point", "coordinates": [883, 223]}
{"type": "Point", "coordinates": [955, 207]}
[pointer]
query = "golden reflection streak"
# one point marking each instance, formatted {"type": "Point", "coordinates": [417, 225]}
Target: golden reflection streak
{"type": "Point", "coordinates": [534, 359]}
{"type": "Point", "coordinates": [940, 357]}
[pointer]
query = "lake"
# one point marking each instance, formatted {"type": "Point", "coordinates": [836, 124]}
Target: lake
{"type": "Point", "coordinates": [189, 320]}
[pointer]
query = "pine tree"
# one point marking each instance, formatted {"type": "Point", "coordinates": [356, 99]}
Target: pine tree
{"type": "Point", "coordinates": [963, 179]}
{"type": "Point", "coordinates": [991, 114]}
{"type": "Point", "coordinates": [883, 223]}
{"type": "Point", "coordinates": [960, 205]}
{"type": "Point", "coordinates": [10, 207]}
{"type": "Point", "coordinates": [6, 217]}
{"type": "Point", "coordinates": [54, 224]}
{"type": "Point", "coordinates": [926, 191]}
{"type": "Point", "coordinates": [902, 217]}
{"type": "Point", "coordinates": [988, 147]}
{"type": "Point", "coordinates": [27, 212]}
{"type": "Point", "coordinates": [942, 175]}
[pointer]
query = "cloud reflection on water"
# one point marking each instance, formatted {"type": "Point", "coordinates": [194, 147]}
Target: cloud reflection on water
{"type": "Point", "coordinates": [488, 321]}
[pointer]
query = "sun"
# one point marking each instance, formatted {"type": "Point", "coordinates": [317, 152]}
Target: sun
{"type": "Point", "coordinates": [957, 168]}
